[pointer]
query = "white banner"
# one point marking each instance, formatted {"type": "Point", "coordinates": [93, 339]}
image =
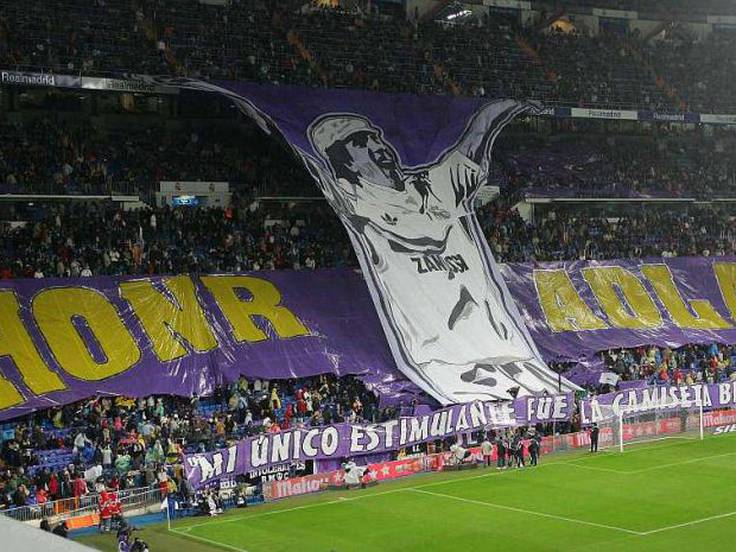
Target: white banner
{"type": "Point", "coordinates": [452, 325]}
{"type": "Point", "coordinates": [721, 19]}
{"type": "Point", "coordinates": [604, 114]}
{"type": "Point", "coordinates": [615, 14]}
{"type": "Point", "coordinates": [609, 378]}
{"type": "Point", "coordinates": [718, 119]}
{"type": "Point", "coordinates": [513, 4]}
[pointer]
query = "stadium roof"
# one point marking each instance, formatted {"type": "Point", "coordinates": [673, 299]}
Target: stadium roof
{"type": "Point", "coordinates": [21, 537]}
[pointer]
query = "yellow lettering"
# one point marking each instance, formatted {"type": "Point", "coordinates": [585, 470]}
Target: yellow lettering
{"type": "Point", "coordinates": [726, 278]}
{"type": "Point", "coordinates": [705, 318]}
{"type": "Point", "coordinates": [168, 322]}
{"type": "Point", "coordinates": [563, 308]}
{"type": "Point", "coordinates": [61, 312]}
{"type": "Point", "coordinates": [634, 308]}
{"type": "Point", "coordinates": [264, 302]}
{"type": "Point", "coordinates": [16, 343]}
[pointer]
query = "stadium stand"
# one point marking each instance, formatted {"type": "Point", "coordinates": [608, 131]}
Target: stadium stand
{"type": "Point", "coordinates": [53, 146]}
{"type": "Point", "coordinates": [65, 452]}
{"type": "Point", "coordinates": [493, 56]}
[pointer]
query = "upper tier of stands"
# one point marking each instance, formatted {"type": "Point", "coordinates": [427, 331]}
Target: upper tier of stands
{"type": "Point", "coordinates": [274, 42]}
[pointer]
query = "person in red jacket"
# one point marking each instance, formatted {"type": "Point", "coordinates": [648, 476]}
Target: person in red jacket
{"type": "Point", "coordinates": [79, 487]}
{"type": "Point", "coordinates": [54, 487]}
{"type": "Point", "coordinates": [116, 509]}
{"type": "Point", "coordinates": [677, 376]}
{"type": "Point", "coordinates": [105, 514]}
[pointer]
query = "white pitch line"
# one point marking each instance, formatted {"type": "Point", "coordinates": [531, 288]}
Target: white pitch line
{"type": "Point", "coordinates": [688, 523]}
{"type": "Point", "coordinates": [591, 468]}
{"type": "Point", "coordinates": [186, 529]}
{"type": "Point", "coordinates": [208, 541]}
{"type": "Point", "coordinates": [655, 439]}
{"type": "Point", "coordinates": [578, 464]}
{"type": "Point", "coordinates": [343, 499]}
{"type": "Point", "coordinates": [340, 500]}
{"type": "Point", "coordinates": [528, 512]}
{"type": "Point", "coordinates": [691, 461]}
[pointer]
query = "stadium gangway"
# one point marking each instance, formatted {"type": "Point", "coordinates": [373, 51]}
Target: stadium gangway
{"type": "Point", "coordinates": [65, 508]}
{"type": "Point", "coordinates": [131, 505]}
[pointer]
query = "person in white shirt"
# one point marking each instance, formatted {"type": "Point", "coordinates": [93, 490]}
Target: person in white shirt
{"type": "Point", "coordinates": [79, 442]}
{"type": "Point", "coordinates": [106, 456]}
{"type": "Point", "coordinates": [93, 474]}
{"type": "Point", "coordinates": [353, 473]}
{"type": "Point", "coordinates": [459, 453]}
{"type": "Point", "coordinates": [486, 448]}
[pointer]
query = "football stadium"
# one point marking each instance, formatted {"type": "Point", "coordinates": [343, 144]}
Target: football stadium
{"type": "Point", "coordinates": [367, 275]}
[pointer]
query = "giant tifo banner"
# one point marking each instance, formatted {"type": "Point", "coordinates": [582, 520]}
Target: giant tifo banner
{"type": "Point", "coordinates": [402, 173]}
{"type": "Point", "coordinates": [576, 309]}
{"type": "Point", "coordinates": [63, 340]}
{"type": "Point", "coordinates": [346, 440]}
{"type": "Point", "coordinates": [661, 397]}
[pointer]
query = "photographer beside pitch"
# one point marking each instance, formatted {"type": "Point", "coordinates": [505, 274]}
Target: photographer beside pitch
{"type": "Point", "coordinates": [594, 431]}
{"type": "Point", "coordinates": [533, 448]}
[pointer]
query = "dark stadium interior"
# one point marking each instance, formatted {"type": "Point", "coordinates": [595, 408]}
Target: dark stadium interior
{"type": "Point", "coordinates": [633, 159]}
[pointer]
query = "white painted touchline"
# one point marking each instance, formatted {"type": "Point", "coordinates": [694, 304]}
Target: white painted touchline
{"type": "Point", "coordinates": [688, 523]}
{"type": "Point", "coordinates": [341, 500]}
{"type": "Point", "coordinates": [528, 512]}
{"type": "Point", "coordinates": [209, 541]}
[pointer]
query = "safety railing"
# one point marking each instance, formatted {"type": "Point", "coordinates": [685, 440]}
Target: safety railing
{"type": "Point", "coordinates": [66, 507]}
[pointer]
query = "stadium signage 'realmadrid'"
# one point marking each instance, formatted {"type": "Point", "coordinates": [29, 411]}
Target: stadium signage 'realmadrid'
{"type": "Point", "coordinates": [53, 80]}
{"type": "Point", "coordinates": [26, 78]}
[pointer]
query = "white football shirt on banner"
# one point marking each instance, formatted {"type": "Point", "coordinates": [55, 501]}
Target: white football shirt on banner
{"type": "Point", "coordinates": [444, 311]}
{"type": "Point", "coordinates": [449, 319]}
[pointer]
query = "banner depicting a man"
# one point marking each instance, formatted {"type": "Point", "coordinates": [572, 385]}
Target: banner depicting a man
{"type": "Point", "coordinates": [452, 326]}
{"type": "Point", "coordinates": [449, 319]}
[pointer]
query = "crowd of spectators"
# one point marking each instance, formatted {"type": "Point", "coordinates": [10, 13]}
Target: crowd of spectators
{"type": "Point", "coordinates": [598, 70]}
{"type": "Point", "coordinates": [79, 449]}
{"type": "Point", "coordinates": [687, 365]}
{"type": "Point", "coordinates": [697, 68]}
{"type": "Point", "coordinates": [53, 156]}
{"type": "Point", "coordinates": [577, 234]}
{"type": "Point", "coordinates": [488, 54]}
{"type": "Point", "coordinates": [122, 443]}
{"type": "Point", "coordinates": [91, 239]}
{"type": "Point", "coordinates": [87, 239]}
{"type": "Point", "coordinates": [588, 165]}
{"type": "Point", "coordinates": [652, 365]}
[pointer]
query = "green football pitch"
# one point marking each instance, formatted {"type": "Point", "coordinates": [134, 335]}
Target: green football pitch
{"type": "Point", "coordinates": [669, 495]}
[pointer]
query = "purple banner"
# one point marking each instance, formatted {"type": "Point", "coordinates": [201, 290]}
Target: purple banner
{"type": "Point", "coordinates": [651, 399]}
{"type": "Point", "coordinates": [576, 309]}
{"type": "Point", "coordinates": [65, 340]}
{"type": "Point", "coordinates": [402, 173]}
{"type": "Point", "coordinates": [347, 440]}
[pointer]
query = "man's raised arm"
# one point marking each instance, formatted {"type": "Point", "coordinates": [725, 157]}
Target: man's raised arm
{"type": "Point", "coordinates": [486, 124]}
